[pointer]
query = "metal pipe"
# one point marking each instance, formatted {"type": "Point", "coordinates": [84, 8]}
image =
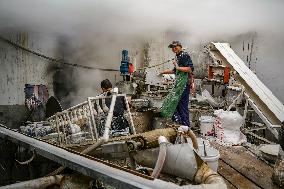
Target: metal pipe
{"type": "Point", "coordinates": [94, 146]}
{"type": "Point", "coordinates": [185, 165]}
{"type": "Point", "coordinates": [184, 162]}
{"type": "Point", "coordinates": [233, 104]}
{"type": "Point", "coordinates": [161, 157]}
{"type": "Point", "coordinates": [130, 116]}
{"type": "Point", "coordinates": [180, 160]}
{"type": "Point", "coordinates": [92, 120]}
{"type": "Point", "coordinates": [69, 109]}
{"type": "Point", "coordinates": [36, 183]}
{"type": "Point", "coordinates": [110, 115]}
{"type": "Point", "coordinates": [57, 127]}
{"type": "Point", "coordinates": [78, 105]}
{"type": "Point", "coordinates": [100, 97]}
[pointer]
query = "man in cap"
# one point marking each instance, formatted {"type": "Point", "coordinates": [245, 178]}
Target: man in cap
{"type": "Point", "coordinates": [176, 103]}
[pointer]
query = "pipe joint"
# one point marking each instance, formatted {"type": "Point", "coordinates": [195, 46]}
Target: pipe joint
{"type": "Point", "coordinates": [115, 90]}
{"type": "Point", "coordinates": [183, 129]}
{"type": "Point", "coordinates": [162, 139]}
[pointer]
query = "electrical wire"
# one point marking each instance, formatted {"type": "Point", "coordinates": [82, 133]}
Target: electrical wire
{"type": "Point", "coordinates": [71, 64]}
{"type": "Point", "coordinates": [156, 64]}
{"type": "Point", "coordinates": [28, 161]}
{"type": "Point", "coordinates": [53, 59]}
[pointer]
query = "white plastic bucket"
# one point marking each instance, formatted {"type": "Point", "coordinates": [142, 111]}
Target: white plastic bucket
{"type": "Point", "coordinates": [199, 142]}
{"type": "Point", "coordinates": [206, 125]}
{"type": "Point", "coordinates": [211, 158]}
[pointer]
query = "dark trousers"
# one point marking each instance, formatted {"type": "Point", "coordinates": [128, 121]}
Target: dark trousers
{"type": "Point", "coordinates": [181, 114]}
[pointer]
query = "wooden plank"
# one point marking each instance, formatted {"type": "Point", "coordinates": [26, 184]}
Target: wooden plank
{"type": "Point", "coordinates": [235, 178]}
{"type": "Point", "coordinates": [247, 164]}
{"type": "Point", "coordinates": [229, 185]}
{"type": "Point", "coordinates": [241, 68]}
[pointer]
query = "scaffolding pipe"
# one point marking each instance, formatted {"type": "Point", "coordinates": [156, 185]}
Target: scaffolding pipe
{"type": "Point", "coordinates": [39, 183]}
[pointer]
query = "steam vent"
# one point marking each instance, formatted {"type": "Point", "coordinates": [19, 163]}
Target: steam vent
{"type": "Point", "coordinates": [141, 94]}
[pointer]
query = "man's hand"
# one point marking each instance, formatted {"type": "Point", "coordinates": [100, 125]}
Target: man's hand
{"type": "Point", "coordinates": [192, 88]}
{"type": "Point", "coordinates": [175, 65]}
{"type": "Point", "coordinates": [159, 74]}
{"type": "Point", "coordinates": [166, 72]}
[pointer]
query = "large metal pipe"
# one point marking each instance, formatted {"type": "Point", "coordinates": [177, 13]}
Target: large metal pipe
{"type": "Point", "coordinates": [39, 183]}
{"type": "Point", "coordinates": [184, 162]}
{"type": "Point", "coordinates": [180, 160]}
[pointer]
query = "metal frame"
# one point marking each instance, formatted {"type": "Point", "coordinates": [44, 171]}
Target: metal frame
{"type": "Point", "coordinates": [90, 99]}
{"type": "Point", "coordinates": [260, 98]}
{"type": "Point", "coordinates": [270, 126]}
{"type": "Point", "coordinates": [59, 119]}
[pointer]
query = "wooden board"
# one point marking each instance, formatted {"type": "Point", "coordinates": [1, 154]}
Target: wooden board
{"type": "Point", "coordinates": [247, 164]}
{"type": "Point", "coordinates": [235, 179]}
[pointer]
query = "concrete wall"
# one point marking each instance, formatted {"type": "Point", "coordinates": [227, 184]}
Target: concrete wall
{"type": "Point", "coordinates": [12, 116]}
{"type": "Point", "coordinates": [265, 57]}
{"type": "Point", "coordinates": [246, 47]}
{"type": "Point", "coordinates": [158, 52]}
{"type": "Point", "coordinates": [19, 68]}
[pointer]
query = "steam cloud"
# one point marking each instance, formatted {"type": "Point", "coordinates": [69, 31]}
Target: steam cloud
{"type": "Point", "coordinates": [99, 30]}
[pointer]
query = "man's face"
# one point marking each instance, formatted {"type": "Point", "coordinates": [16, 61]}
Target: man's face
{"type": "Point", "coordinates": [176, 49]}
{"type": "Point", "coordinates": [104, 90]}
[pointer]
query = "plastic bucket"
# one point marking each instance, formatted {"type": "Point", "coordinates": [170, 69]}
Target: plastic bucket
{"type": "Point", "coordinates": [211, 158]}
{"type": "Point", "coordinates": [206, 125]}
{"type": "Point", "coordinates": [199, 142]}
